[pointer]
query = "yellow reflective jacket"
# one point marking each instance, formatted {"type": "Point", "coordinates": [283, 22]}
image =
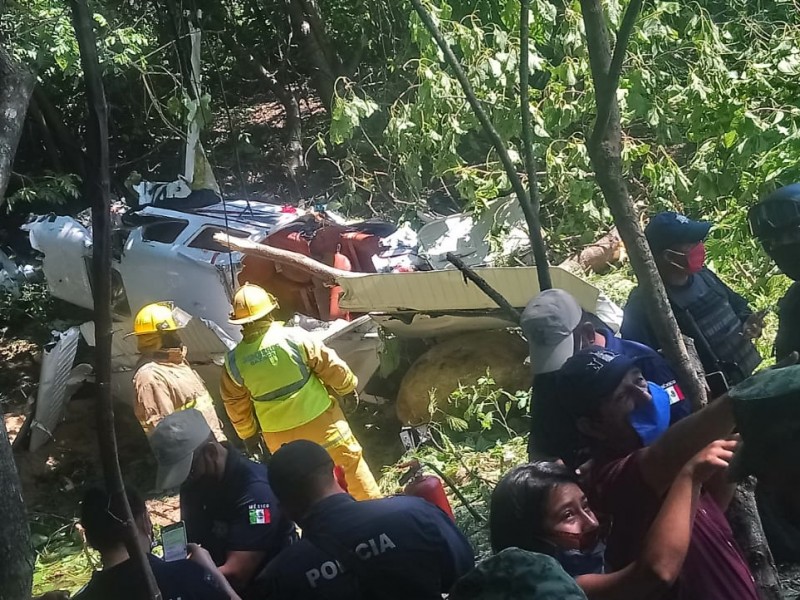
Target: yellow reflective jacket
{"type": "Point", "coordinates": [276, 380]}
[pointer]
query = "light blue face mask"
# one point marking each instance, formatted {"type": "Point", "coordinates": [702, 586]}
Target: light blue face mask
{"type": "Point", "coordinates": [651, 419]}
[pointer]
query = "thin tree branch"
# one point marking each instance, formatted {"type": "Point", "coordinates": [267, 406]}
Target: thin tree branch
{"type": "Point", "coordinates": [605, 96]}
{"type": "Point", "coordinates": [97, 188]}
{"type": "Point", "coordinates": [525, 105]}
{"type": "Point", "coordinates": [531, 217]}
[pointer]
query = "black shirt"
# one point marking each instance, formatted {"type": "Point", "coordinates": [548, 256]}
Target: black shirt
{"type": "Point", "coordinates": [393, 548]}
{"type": "Point", "coordinates": [238, 513]}
{"type": "Point", "coordinates": [177, 580]}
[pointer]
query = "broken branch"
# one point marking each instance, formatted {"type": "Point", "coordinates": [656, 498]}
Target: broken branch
{"type": "Point", "coordinates": [512, 312]}
{"type": "Point", "coordinates": [327, 275]}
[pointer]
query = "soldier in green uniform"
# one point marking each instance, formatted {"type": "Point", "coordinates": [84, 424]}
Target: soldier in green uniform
{"type": "Point", "coordinates": [775, 221]}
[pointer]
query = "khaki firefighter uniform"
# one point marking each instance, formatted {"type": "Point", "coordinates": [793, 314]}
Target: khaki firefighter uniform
{"type": "Point", "coordinates": [164, 382]}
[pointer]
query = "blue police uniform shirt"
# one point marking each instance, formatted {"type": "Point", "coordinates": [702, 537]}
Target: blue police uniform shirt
{"type": "Point", "coordinates": [239, 513]}
{"type": "Point", "coordinates": [391, 548]}
{"type": "Point", "coordinates": [177, 580]}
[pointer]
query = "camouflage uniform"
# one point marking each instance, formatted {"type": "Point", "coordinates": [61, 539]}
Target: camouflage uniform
{"type": "Point", "coordinates": [516, 574]}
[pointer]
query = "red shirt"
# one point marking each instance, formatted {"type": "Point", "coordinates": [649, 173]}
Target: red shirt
{"type": "Point", "coordinates": [714, 568]}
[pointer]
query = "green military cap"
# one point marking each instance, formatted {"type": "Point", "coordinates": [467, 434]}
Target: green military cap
{"type": "Point", "coordinates": [767, 411]}
{"type": "Point", "coordinates": [515, 574]}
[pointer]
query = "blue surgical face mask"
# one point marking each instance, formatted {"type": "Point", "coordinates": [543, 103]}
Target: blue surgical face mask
{"type": "Point", "coordinates": [582, 562]}
{"type": "Point", "coordinates": [651, 419]}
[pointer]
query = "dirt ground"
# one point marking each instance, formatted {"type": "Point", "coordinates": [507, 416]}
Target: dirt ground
{"type": "Point", "coordinates": [54, 476]}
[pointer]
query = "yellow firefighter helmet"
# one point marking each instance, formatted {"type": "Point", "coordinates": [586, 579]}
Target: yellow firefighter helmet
{"type": "Point", "coordinates": [155, 318]}
{"type": "Point", "coordinates": [251, 303]}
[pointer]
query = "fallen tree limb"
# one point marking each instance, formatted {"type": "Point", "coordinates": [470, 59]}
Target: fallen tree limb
{"type": "Point", "coordinates": [597, 256]}
{"type": "Point", "coordinates": [498, 299]}
{"type": "Point", "coordinates": [327, 275]}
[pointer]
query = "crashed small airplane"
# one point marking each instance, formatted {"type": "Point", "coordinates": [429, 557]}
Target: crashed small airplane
{"type": "Point", "coordinates": [169, 248]}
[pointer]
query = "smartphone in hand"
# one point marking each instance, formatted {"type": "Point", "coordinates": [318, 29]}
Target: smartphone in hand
{"type": "Point", "coordinates": [173, 540]}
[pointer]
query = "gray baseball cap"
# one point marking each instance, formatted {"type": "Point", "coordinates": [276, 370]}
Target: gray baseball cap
{"type": "Point", "coordinates": [548, 322]}
{"type": "Point", "coordinates": [174, 441]}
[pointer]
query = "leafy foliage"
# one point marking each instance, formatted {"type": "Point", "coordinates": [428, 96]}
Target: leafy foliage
{"type": "Point", "coordinates": [708, 106]}
{"type": "Point", "coordinates": [50, 189]}
{"type": "Point", "coordinates": [63, 560]}
{"type": "Point", "coordinates": [473, 450]}
{"type": "Point", "coordinates": [483, 408]}
{"type": "Point", "coordinates": [33, 304]}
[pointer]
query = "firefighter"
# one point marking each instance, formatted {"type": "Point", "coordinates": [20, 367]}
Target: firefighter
{"type": "Point", "coordinates": [164, 382]}
{"type": "Point", "coordinates": [283, 384]}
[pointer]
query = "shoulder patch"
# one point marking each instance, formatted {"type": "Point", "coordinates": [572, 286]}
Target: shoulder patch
{"type": "Point", "coordinates": [259, 514]}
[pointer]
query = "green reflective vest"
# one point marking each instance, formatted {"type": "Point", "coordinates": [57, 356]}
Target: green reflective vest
{"type": "Point", "coordinates": [285, 393]}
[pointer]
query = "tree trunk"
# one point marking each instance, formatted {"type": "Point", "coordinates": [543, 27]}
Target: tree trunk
{"type": "Point", "coordinates": [70, 148]}
{"type": "Point", "coordinates": [310, 31]}
{"type": "Point", "coordinates": [48, 142]}
{"type": "Point", "coordinates": [97, 189]}
{"type": "Point", "coordinates": [16, 552]}
{"type": "Point", "coordinates": [293, 129]}
{"type": "Point", "coordinates": [605, 147]}
{"type": "Point", "coordinates": [294, 161]}
{"type": "Point", "coordinates": [16, 86]}
{"type": "Point", "coordinates": [749, 533]}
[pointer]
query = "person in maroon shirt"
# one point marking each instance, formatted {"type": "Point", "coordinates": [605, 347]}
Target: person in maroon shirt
{"type": "Point", "coordinates": [627, 483]}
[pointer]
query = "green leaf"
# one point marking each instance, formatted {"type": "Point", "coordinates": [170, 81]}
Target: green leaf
{"type": "Point", "coordinates": [729, 139]}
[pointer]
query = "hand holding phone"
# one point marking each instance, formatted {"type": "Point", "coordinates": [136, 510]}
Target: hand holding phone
{"type": "Point", "coordinates": [754, 325]}
{"type": "Point", "coordinates": [173, 539]}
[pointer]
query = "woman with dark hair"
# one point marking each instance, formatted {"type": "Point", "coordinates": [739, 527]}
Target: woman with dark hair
{"type": "Point", "coordinates": [541, 507]}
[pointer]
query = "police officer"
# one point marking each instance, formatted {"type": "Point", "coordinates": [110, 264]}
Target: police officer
{"type": "Point", "coordinates": [194, 579]}
{"type": "Point", "coordinates": [291, 380]}
{"type": "Point", "coordinates": [391, 548]}
{"type": "Point", "coordinates": [775, 221]}
{"type": "Point", "coordinates": [226, 501]}
{"type": "Point", "coordinates": [718, 319]}
{"type": "Point", "coordinates": [164, 382]}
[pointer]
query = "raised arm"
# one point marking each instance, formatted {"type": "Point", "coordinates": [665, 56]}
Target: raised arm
{"type": "Point", "coordinates": [663, 460]}
{"type": "Point", "coordinates": [667, 541]}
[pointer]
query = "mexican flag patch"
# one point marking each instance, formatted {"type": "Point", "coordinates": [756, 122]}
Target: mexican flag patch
{"type": "Point", "coordinates": [674, 392]}
{"type": "Point", "coordinates": [259, 514]}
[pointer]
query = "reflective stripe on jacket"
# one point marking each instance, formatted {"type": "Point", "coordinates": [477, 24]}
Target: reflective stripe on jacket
{"type": "Point", "coordinates": [274, 369]}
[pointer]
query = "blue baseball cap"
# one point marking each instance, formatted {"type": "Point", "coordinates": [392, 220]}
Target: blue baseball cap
{"type": "Point", "coordinates": [590, 376]}
{"type": "Point", "coordinates": [669, 228]}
